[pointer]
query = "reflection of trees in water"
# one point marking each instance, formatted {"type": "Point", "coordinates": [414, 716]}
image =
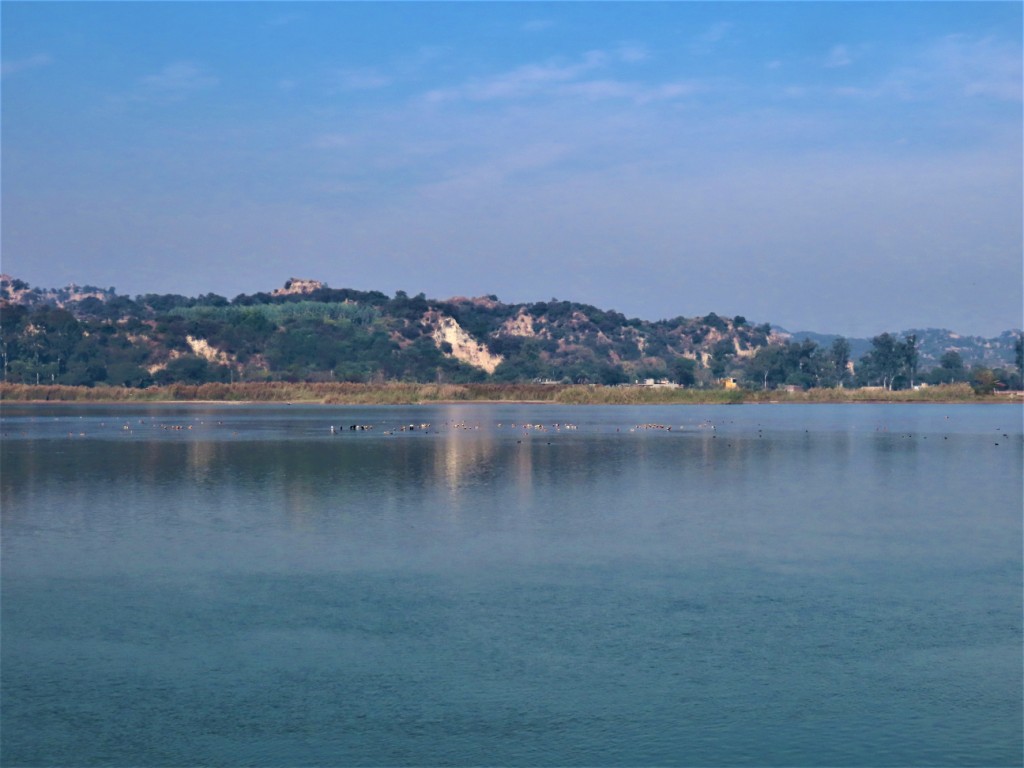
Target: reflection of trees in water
{"type": "Point", "coordinates": [524, 477]}
{"type": "Point", "coordinates": [462, 460]}
{"type": "Point", "coordinates": [200, 459]}
{"type": "Point", "coordinates": [460, 474]}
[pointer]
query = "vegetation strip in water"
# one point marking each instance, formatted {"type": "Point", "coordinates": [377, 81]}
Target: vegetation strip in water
{"type": "Point", "coordinates": [400, 393]}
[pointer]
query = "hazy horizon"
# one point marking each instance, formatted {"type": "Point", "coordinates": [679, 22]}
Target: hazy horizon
{"type": "Point", "coordinates": [846, 168]}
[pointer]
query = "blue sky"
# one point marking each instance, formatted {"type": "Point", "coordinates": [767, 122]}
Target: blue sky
{"type": "Point", "coordinates": [839, 167]}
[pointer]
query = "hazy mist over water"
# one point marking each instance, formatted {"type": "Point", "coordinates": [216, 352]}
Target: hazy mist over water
{"type": "Point", "coordinates": [759, 585]}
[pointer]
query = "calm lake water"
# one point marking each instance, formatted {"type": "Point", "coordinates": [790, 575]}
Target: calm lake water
{"type": "Point", "coordinates": [759, 585]}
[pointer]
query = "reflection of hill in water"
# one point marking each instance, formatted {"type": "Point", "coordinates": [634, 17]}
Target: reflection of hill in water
{"type": "Point", "coordinates": [472, 472]}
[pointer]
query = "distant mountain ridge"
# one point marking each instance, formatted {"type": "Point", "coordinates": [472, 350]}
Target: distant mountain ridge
{"type": "Point", "coordinates": [932, 344]}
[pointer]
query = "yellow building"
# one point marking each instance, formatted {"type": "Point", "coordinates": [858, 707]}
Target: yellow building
{"type": "Point", "coordinates": [730, 383]}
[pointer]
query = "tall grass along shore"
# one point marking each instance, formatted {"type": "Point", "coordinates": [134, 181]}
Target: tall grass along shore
{"type": "Point", "coordinates": [400, 393]}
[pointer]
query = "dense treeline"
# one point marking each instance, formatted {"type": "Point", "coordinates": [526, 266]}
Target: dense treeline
{"type": "Point", "coordinates": [331, 335]}
{"type": "Point", "coordinates": [891, 363]}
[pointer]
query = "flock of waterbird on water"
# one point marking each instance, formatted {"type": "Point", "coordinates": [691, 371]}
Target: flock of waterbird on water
{"type": "Point", "coordinates": [424, 427]}
{"type": "Point", "coordinates": [526, 427]}
{"type": "Point", "coordinates": [452, 426]}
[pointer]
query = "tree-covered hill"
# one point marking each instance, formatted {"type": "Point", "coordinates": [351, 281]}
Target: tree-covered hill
{"type": "Point", "coordinates": [307, 331]}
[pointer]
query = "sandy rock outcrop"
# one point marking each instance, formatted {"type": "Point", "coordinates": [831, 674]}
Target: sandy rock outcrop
{"type": "Point", "coordinates": [202, 348]}
{"type": "Point", "coordinates": [296, 285]}
{"type": "Point", "coordinates": [520, 325]}
{"type": "Point", "coordinates": [464, 347]}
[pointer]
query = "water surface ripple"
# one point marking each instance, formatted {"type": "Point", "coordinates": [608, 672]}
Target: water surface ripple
{"type": "Point", "coordinates": [511, 585]}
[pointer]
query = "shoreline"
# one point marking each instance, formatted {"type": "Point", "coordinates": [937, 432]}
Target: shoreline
{"type": "Point", "coordinates": [395, 393]}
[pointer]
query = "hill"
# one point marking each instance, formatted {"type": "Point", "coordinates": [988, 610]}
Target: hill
{"type": "Point", "coordinates": [307, 331]}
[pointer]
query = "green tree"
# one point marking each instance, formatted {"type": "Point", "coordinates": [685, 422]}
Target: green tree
{"type": "Point", "coordinates": [1018, 350]}
{"type": "Point", "coordinates": [711, 320]}
{"type": "Point", "coordinates": [12, 320]}
{"type": "Point", "coordinates": [910, 357]}
{"type": "Point", "coordinates": [803, 364]}
{"type": "Point", "coordinates": [126, 374]}
{"type": "Point", "coordinates": [983, 380]}
{"type": "Point", "coordinates": [61, 334]}
{"type": "Point", "coordinates": [886, 360]}
{"type": "Point", "coordinates": [767, 369]}
{"type": "Point", "coordinates": [839, 356]}
{"type": "Point", "coordinates": [950, 369]}
{"type": "Point", "coordinates": [683, 371]}
{"type": "Point", "coordinates": [721, 354]}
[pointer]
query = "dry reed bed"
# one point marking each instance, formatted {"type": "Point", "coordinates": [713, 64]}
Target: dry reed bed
{"type": "Point", "coordinates": [400, 393]}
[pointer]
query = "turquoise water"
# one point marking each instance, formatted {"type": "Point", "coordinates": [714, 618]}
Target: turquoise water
{"type": "Point", "coordinates": [761, 585]}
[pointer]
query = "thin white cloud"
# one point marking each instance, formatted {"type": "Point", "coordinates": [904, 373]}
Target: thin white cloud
{"type": "Point", "coordinates": [975, 67]}
{"type": "Point", "coordinates": [639, 93]}
{"type": "Point", "coordinates": [717, 32]}
{"type": "Point", "coordinates": [603, 89]}
{"type": "Point", "coordinates": [20, 65]}
{"type": "Point", "coordinates": [955, 66]}
{"type": "Point", "coordinates": [412, 66]}
{"type": "Point", "coordinates": [524, 81]}
{"type": "Point", "coordinates": [559, 78]}
{"type": "Point", "coordinates": [839, 56]}
{"type": "Point", "coordinates": [177, 80]}
{"type": "Point", "coordinates": [707, 41]}
{"type": "Point", "coordinates": [632, 53]}
{"type": "Point", "coordinates": [497, 171]}
{"type": "Point", "coordinates": [334, 141]}
{"type": "Point", "coordinates": [854, 92]}
{"type": "Point", "coordinates": [360, 80]}
{"type": "Point", "coordinates": [537, 25]}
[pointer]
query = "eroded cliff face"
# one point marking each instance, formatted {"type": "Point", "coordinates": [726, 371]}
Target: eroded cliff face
{"type": "Point", "coordinates": [464, 347]}
{"type": "Point", "coordinates": [202, 348]}
{"type": "Point", "coordinates": [742, 351]}
{"type": "Point", "coordinates": [520, 325]}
